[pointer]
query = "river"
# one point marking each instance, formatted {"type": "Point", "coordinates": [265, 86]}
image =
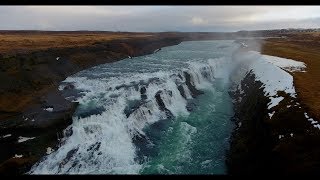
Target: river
{"type": "Point", "coordinates": [164, 113]}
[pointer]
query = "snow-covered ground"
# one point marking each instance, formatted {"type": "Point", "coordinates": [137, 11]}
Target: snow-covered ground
{"type": "Point", "coordinates": [272, 72]}
{"type": "Point", "coordinates": [274, 101]}
{"type": "Point", "coordinates": [274, 78]}
{"type": "Point", "coordinates": [287, 64]}
{"type": "Point", "coordinates": [269, 70]}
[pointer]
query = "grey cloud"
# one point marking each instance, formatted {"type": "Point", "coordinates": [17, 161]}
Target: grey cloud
{"type": "Point", "coordinates": [152, 18]}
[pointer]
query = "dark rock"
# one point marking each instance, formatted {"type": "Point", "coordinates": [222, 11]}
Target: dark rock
{"type": "Point", "coordinates": [89, 111]}
{"type": "Point", "coordinates": [194, 91]}
{"type": "Point", "coordinates": [160, 102]}
{"type": "Point", "coordinates": [68, 132]}
{"type": "Point", "coordinates": [38, 123]}
{"type": "Point", "coordinates": [9, 167]}
{"type": "Point", "coordinates": [132, 106]}
{"type": "Point", "coordinates": [181, 90]}
{"type": "Point", "coordinates": [69, 155]}
{"type": "Point", "coordinates": [147, 144]}
{"type": "Point", "coordinates": [162, 106]}
{"type": "Point", "coordinates": [94, 147]}
{"type": "Point", "coordinates": [250, 143]}
{"type": "Point", "coordinates": [69, 86]}
{"type": "Point", "coordinates": [190, 106]}
{"type": "Point", "coordinates": [143, 91]}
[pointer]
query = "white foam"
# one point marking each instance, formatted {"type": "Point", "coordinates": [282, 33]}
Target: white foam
{"type": "Point", "coordinates": [187, 131]}
{"type": "Point", "coordinates": [115, 155]}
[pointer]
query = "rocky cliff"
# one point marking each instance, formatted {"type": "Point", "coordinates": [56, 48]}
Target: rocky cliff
{"type": "Point", "coordinates": [279, 140]}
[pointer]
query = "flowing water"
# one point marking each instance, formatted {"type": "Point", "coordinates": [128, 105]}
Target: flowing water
{"type": "Point", "coordinates": [164, 113]}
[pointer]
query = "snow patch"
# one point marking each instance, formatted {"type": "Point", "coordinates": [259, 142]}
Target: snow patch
{"type": "Point", "coordinates": [5, 136]}
{"type": "Point", "coordinates": [287, 64]}
{"type": "Point", "coordinates": [49, 150]}
{"type": "Point", "coordinates": [50, 109]}
{"type": "Point", "coordinates": [271, 114]}
{"type": "Point", "coordinates": [281, 136]}
{"type": "Point", "coordinates": [313, 122]}
{"type": "Point", "coordinates": [274, 101]}
{"type": "Point", "coordinates": [23, 139]}
{"type": "Point", "coordinates": [317, 126]}
{"type": "Point", "coordinates": [18, 156]}
{"type": "Point", "coordinates": [306, 115]}
{"type": "Point", "coordinates": [270, 71]}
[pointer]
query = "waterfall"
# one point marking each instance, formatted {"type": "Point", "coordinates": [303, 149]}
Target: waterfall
{"type": "Point", "coordinates": [102, 143]}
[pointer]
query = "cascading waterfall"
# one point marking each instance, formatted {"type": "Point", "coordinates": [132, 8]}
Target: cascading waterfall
{"type": "Point", "coordinates": [119, 101]}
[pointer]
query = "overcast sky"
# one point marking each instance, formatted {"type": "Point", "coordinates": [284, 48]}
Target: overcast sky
{"type": "Point", "coordinates": [158, 18]}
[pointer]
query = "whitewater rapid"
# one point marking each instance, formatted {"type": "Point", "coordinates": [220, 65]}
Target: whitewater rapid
{"type": "Point", "coordinates": [119, 101]}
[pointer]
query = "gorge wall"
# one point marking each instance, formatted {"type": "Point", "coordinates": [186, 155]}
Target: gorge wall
{"type": "Point", "coordinates": [280, 139]}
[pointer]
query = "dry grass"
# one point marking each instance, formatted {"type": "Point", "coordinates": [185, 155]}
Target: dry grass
{"type": "Point", "coordinates": [303, 47]}
{"type": "Point", "coordinates": [26, 42]}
